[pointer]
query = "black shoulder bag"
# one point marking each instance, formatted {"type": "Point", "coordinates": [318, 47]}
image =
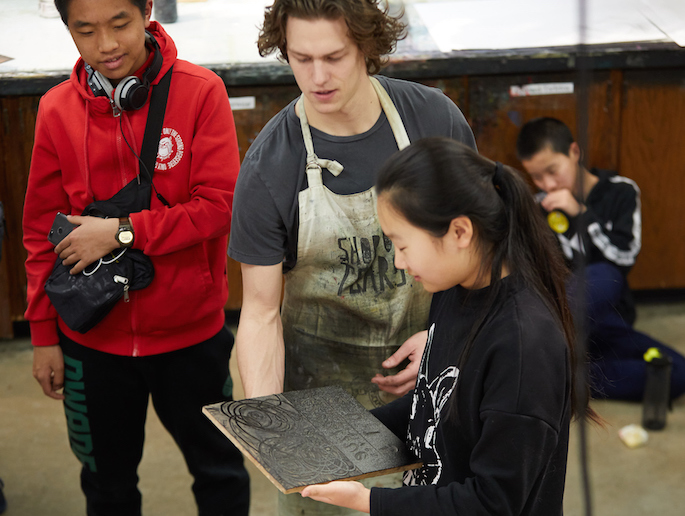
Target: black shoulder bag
{"type": "Point", "coordinates": [83, 300]}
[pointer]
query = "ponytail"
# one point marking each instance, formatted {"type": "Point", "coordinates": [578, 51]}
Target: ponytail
{"type": "Point", "coordinates": [542, 266]}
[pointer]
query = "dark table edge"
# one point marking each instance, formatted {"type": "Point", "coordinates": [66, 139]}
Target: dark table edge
{"type": "Point", "coordinates": [430, 65]}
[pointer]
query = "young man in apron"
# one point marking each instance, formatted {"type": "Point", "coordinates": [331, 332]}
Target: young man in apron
{"type": "Point", "coordinates": [305, 208]}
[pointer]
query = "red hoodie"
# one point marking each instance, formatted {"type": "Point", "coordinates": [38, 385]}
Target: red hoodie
{"type": "Point", "coordinates": [80, 155]}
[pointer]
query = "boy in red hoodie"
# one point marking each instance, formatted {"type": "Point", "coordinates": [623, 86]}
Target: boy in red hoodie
{"type": "Point", "coordinates": [169, 339]}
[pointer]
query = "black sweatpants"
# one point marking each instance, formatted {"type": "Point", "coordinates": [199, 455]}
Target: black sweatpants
{"type": "Point", "coordinates": [106, 405]}
{"type": "Point", "coordinates": [617, 369]}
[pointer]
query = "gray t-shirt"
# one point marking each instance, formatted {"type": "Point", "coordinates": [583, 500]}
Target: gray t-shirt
{"type": "Point", "coordinates": [264, 225]}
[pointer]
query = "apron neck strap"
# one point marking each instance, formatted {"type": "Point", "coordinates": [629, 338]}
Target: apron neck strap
{"type": "Point", "coordinates": [398, 130]}
{"type": "Point", "coordinates": [313, 161]}
{"type": "Point", "coordinates": [391, 112]}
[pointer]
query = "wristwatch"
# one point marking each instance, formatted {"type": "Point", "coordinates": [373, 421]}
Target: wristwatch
{"type": "Point", "coordinates": [125, 232]}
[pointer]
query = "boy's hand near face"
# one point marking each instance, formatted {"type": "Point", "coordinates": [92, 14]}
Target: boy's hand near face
{"type": "Point", "coordinates": [562, 200]}
{"type": "Point", "coordinates": [342, 493]}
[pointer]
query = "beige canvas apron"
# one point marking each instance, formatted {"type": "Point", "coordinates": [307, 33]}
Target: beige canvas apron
{"type": "Point", "coordinates": [346, 307]}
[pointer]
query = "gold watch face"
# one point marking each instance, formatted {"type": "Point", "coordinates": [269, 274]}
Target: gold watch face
{"type": "Point", "coordinates": [125, 237]}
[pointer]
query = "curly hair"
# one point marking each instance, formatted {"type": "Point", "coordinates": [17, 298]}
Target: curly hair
{"type": "Point", "coordinates": [375, 32]}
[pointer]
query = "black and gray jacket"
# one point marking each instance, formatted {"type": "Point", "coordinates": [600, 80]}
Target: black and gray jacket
{"type": "Point", "coordinates": [612, 224]}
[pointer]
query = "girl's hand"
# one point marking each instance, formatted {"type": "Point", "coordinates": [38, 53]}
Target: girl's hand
{"type": "Point", "coordinates": [352, 495]}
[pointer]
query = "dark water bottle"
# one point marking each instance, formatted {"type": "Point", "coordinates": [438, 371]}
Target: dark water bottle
{"type": "Point", "coordinates": [657, 395]}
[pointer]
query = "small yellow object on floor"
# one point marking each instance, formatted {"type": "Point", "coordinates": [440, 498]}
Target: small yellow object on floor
{"type": "Point", "coordinates": [633, 436]}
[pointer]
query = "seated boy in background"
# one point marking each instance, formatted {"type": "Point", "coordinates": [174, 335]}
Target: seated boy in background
{"type": "Point", "coordinates": [603, 209]}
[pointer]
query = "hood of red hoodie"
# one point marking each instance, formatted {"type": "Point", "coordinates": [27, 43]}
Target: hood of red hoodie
{"type": "Point", "coordinates": [79, 76]}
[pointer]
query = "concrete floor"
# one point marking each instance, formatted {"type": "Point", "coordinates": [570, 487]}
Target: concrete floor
{"type": "Point", "coordinates": [41, 474]}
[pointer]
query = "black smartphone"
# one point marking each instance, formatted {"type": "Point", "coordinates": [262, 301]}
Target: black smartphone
{"type": "Point", "coordinates": [61, 227]}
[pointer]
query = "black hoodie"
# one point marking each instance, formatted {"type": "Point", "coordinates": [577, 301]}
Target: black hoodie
{"type": "Point", "coordinates": [505, 451]}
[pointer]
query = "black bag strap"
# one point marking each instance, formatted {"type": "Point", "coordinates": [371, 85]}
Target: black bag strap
{"type": "Point", "coordinates": [153, 128]}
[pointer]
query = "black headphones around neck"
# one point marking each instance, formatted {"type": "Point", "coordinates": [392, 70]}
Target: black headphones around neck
{"type": "Point", "coordinates": [131, 93]}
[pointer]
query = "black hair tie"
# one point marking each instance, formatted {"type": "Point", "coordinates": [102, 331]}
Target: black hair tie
{"type": "Point", "coordinates": [498, 175]}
